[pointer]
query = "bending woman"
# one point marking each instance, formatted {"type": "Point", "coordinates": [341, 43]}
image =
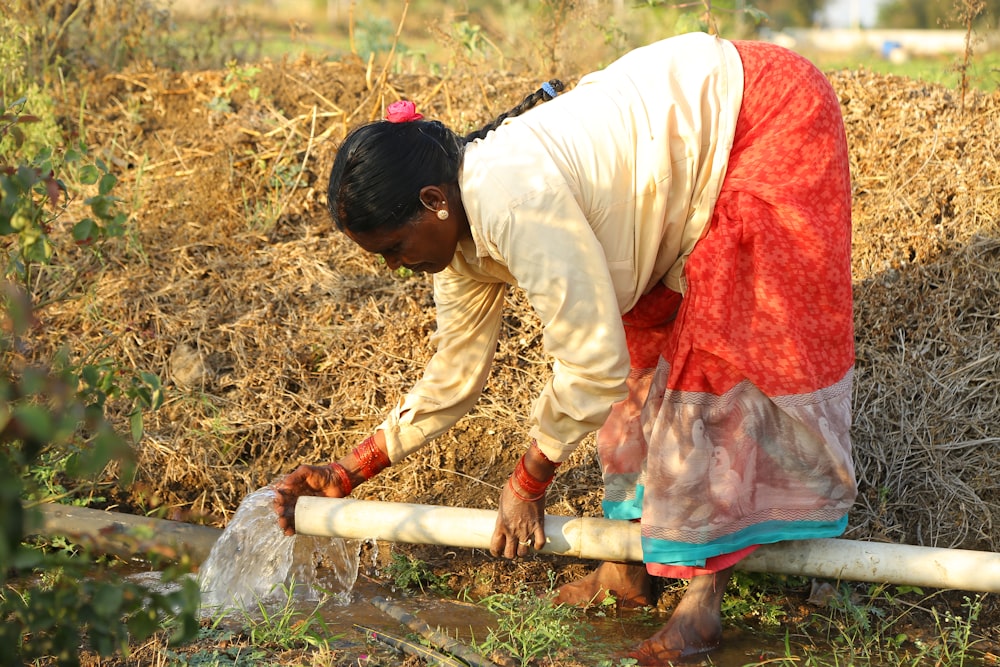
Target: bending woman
{"type": "Point", "coordinates": [681, 223]}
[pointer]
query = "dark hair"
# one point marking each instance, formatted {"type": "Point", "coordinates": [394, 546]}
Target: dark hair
{"type": "Point", "coordinates": [381, 167]}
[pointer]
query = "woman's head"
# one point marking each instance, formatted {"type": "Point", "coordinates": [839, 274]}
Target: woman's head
{"type": "Point", "coordinates": [381, 168]}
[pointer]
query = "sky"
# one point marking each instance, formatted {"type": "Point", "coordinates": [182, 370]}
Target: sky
{"type": "Point", "coordinates": [842, 13]}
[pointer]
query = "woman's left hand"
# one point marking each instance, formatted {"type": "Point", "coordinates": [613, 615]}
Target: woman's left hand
{"type": "Point", "coordinates": [520, 525]}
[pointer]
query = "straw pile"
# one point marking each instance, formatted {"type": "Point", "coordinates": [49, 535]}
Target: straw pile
{"type": "Point", "coordinates": [926, 259]}
{"type": "Point", "coordinates": [281, 343]}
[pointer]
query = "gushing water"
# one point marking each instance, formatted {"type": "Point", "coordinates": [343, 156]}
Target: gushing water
{"type": "Point", "coordinates": [253, 561]}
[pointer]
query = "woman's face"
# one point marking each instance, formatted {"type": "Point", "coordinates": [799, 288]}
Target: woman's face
{"type": "Point", "coordinates": [425, 244]}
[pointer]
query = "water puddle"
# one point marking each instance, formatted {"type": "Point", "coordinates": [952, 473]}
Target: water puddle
{"type": "Point", "coordinates": [611, 637]}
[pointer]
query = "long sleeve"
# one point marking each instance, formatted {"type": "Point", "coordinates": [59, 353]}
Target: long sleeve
{"type": "Point", "coordinates": [562, 267]}
{"type": "Point", "coordinates": [468, 323]}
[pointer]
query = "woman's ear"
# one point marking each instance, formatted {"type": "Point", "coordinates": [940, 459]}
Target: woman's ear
{"type": "Point", "coordinates": [433, 198]}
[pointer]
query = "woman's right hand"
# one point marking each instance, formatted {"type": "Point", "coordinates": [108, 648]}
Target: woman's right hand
{"type": "Point", "coordinates": [306, 480]}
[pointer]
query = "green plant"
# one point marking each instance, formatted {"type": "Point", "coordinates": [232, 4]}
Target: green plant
{"type": "Point", "coordinates": [373, 36]}
{"type": "Point", "coordinates": [42, 411]}
{"type": "Point", "coordinates": [54, 428]}
{"type": "Point", "coordinates": [621, 662]}
{"type": "Point", "coordinates": [407, 573]}
{"type": "Point", "coordinates": [32, 196]}
{"type": "Point", "coordinates": [954, 634]}
{"type": "Point", "coordinates": [472, 38]}
{"type": "Point", "coordinates": [530, 627]}
{"type": "Point", "coordinates": [703, 15]}
{"type": "Point", "coordinates": [750, 597]}
{"type": "Point", "coordinates": [287, 627]}
{"type": "Point", "coordinates": [236, 77]}
{"type": "Point", "coordinates": [868, 628]}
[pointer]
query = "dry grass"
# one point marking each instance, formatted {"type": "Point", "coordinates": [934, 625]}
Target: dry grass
{"type": "Point", "coordinates": [926, 255]}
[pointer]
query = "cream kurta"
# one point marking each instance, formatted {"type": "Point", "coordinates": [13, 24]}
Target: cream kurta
{"type": "Point", "coordinates": [585, 202]}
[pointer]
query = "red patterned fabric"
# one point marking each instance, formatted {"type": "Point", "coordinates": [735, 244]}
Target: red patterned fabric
{"type": "Point", "coordinates": [769, 294]}
{"type": "Point", "coordinates": [739, 405]}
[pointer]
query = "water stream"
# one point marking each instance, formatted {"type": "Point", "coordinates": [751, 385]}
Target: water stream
{"type": "Point", "coordinates": [253, 561]}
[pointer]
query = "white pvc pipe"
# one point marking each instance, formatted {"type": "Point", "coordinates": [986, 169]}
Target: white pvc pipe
{"type": "Point", "coordinates": [606, 539]}
{"type": "Point", "coordinates": [116, 533]}
{"type": "Point", "coordinates": [600, 539]}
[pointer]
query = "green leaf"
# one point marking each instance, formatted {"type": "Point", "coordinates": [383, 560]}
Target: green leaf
{"type": "Point", "coordinates": [108, 182]}
{"type": "Point", "coordinates": [101, 205]}
{"type": "Point", "coordinates": [35, 421]}
{"type": "Point", "coordinates": [18, 135]}
{"type": "Point", "coordinates": [143, 623]}
{"type": "Point", "coordinates": [89, 174]}
{"type": "Point", "coordinates": [135, 422]}
{"type": "Point", "coordinates": [38, 250]}
{"type": "Point", "coordinates": [91, 375]}
{"type": "Point", "coordinates": [108, 600]}
{"type": "Point", "coordinates": [85, 231]}
{"type": "Point", "coordinates": [27, 559]}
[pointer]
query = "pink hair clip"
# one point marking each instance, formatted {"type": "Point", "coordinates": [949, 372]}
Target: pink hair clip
{"type": "Point", "coordinates": [402, 111]}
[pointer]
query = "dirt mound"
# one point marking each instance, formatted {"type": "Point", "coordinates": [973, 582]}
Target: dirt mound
{"type": "Point", "coordinates": [282, 343]}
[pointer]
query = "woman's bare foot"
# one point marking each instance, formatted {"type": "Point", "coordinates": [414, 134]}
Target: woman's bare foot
{"type": "Point", "coordinates": [630, 584]}
{"type": "Point", "coordinates": [695, 627]}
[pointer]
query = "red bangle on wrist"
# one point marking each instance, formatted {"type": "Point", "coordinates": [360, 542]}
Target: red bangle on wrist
{"type": "Point", "coordinates": [371, 459]}
{"type": "Point", "coordinates": [535, 488]}
{"type": "Point", "coordinates": [345, 479]}
{"type": "Point", "coordinates": [510, 483]}
{"type": "Point", "coordinates": [527, 482]}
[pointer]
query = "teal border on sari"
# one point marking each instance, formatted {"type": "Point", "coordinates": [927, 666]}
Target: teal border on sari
{"type": "Point", "coordinates": [671, 552]}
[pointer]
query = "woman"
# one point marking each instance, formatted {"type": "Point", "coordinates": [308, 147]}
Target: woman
{"type": "Point", "coordinates": [680, 222]}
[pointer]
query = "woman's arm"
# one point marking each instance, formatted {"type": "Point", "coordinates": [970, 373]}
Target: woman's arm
{"type": "Point", "coordinates": [468, 324]}
{"type": "Point", "coordinates": [558, 260]}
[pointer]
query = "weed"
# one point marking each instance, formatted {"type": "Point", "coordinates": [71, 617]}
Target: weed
{"type": "Point", "coordinates": [530, 626]}
{"type": "Point", "coordinates": [266, 628]}
{"type": "Point", "coordinates": [954, 634]}
{"type": "Point", "coordinates": [373, 36]}
{"type": "Point", "coordinates": [409, 573]}
{"type": "Point", "coordinates": [968, 11]}
{"type": "Point", "coordinates": [703, 15]}
{"type": "Point", "coordinates": [750, 597]}
{"type": "Point", "coordinates": [287, 627]}
{"type": "Point", "coordinates": [621, 662]}
{"type": "Point", "coordinates": [237, 77]}
{"type": "Point", "coordinates": [261, 213]}
{"type": "Point", "coordinates": [866, 629]}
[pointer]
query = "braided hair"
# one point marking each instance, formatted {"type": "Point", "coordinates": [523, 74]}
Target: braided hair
{"type": "Point", "coordinates": [381, 167]}
{"type": "Point", "coordinates": [548, 90]}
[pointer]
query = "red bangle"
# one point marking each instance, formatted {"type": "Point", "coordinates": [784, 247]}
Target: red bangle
{"type": "Point", "coordinates": [371, 459]}
{"type": "Point", "coordinates": [510, 483]}
{"type": "Point", "coordinates": [527, 482]}
{"type": "Point", "coordinates": [534, 443]}
{"type": "Point", "coordinates": [345, 479]}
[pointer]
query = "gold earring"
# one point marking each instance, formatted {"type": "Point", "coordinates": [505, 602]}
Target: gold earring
{"type": "Point", "coordinates": [442, 214]}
